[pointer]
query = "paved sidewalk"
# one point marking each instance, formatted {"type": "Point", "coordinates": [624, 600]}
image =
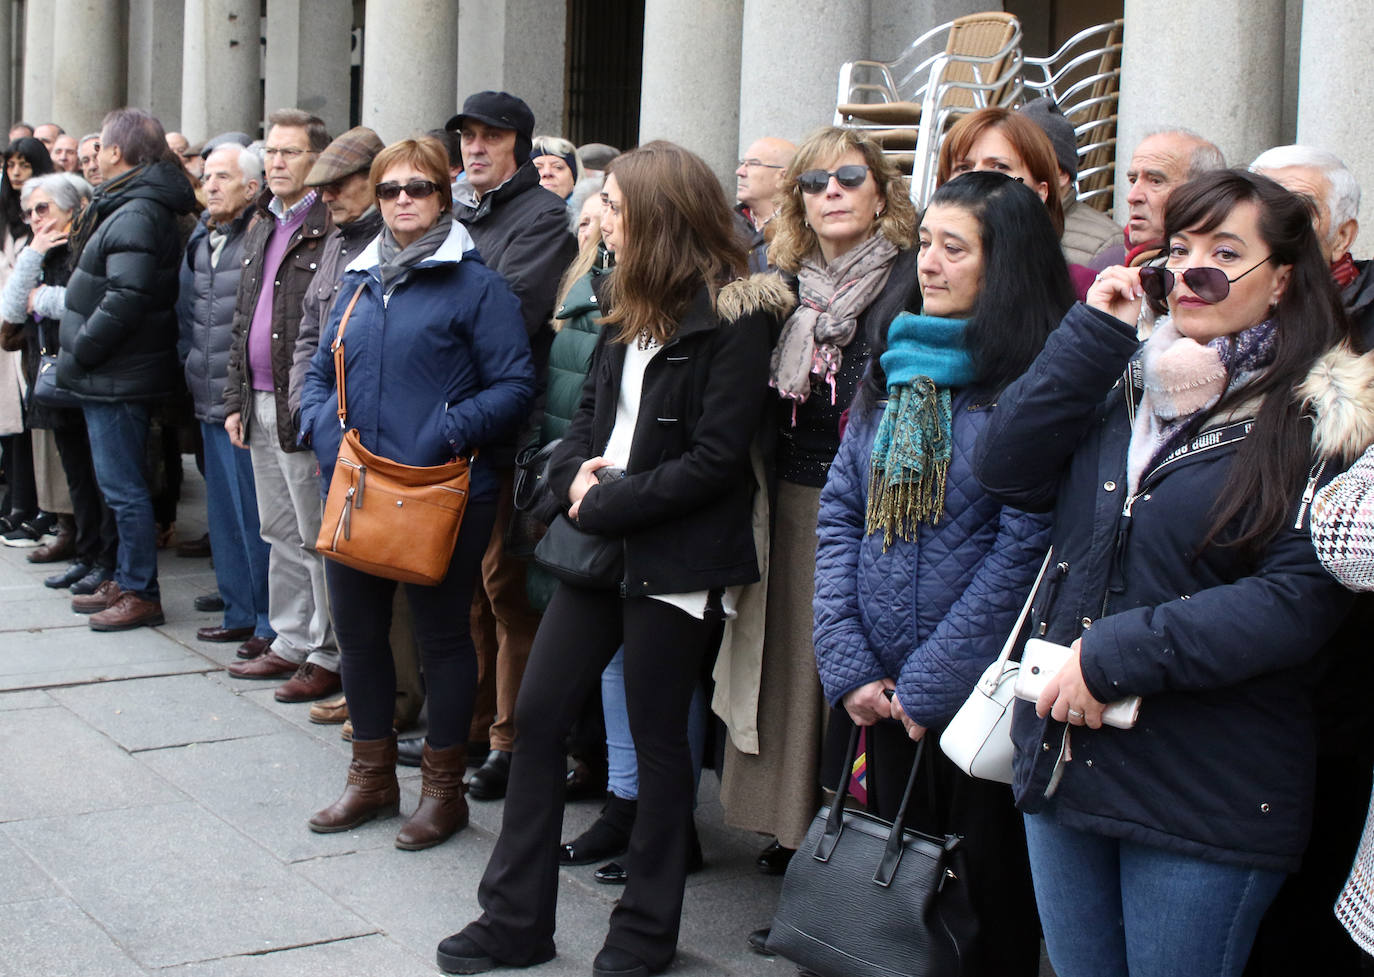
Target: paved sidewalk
{"type": "Point", "coordinates": [152, 819]}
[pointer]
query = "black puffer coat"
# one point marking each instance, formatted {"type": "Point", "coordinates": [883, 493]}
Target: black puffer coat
{"type": "Point", "coordinates": [214, 291]}
{"type": "Point", "coordinates": [119, 334]}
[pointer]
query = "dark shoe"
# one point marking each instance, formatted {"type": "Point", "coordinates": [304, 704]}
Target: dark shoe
{"type": "Point", "coordinates": [68, 576]}
{"type": "Point", "coordinates": [268, 666]}
{"type": "Point", "coordinates": [459, 954]}
{"type": "Point", "coordinates": [223, 634]}
{"type": "Point", "coordinates": [585, 782]}
{"type": "Point", "coordinates": [254, 647]}
{"type": "Point", "coordinates": [104, 597]}
{"type": "Point", "coordinates": [758, 942]}
{"type": "Point", "coordinates": [209, 603]}
{"type": "Point", "coordinates": [26, 535]}
{"type": "Point", "coordinates": [90, 583]}
{"type": "Point", "coordinates": [615, 962]}
{"type": "Point", "coordinates": [372, 790]}
{"type": "Point", "coordinates": [410, 751]}
{"type": "Point", "coordinates": [477, 752]}
{"type": "Point", "coordinates": [10, 521]}
{"type": "Point", "coordinates": [608, 836]}
{"type": "Point", "coordinates": [333, 711]}
{"type": "Point", "coordinates": [614, 873]}
{"type": "Point", "coordinates": [194, 548]}
{"type": "Point", "coordinates": [442, 811]}
{"type": "Point", "coordinates": [129, 611]}
{"type": "Point", "coordinates": [488, 782]}
{"type": "Point", "coordinates": [773, 859]}
{"type": "Point", "coordinates": [310, 682]}
{"type": "Point", "coordinates": [60, 547]}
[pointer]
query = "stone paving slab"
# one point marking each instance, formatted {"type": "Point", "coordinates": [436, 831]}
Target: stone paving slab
{"type": "Point", "coordinates": [54, 938]}
{"type": "Point", "coordinates": [21, 880]}
{"type": "Point", "coordinates": [72, 655]}
{"type": "Point", "coordinates": [54, 764]}
{"type": "Point", "coordinates": [170, 711]}
{"type": "Point", "coordinates": [364, 955]}
{"type": "Point", "coordinates": [173, 884]}
{"type": "Point", "coordinates": [29, 699]}
{"type": "Point", "coordinates": [31, 609]}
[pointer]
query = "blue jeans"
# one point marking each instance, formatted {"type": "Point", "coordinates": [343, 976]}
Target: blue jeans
{"type": "Point", "coordinates": [231, 509]}
{"type": "Point", "coordinates": [119, 452]}
{"type": "Point", "coordinates": [1112, 908]}
{"type": "Point", "coordinates": [622, 778]}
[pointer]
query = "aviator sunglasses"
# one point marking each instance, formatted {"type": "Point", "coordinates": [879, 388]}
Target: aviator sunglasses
{"type": "Point", "coordinates": [850, 176]}
{"type": "Point", "coordinates": [1209, 284]}
{"type": "Point", "coordinates": [415, 189]}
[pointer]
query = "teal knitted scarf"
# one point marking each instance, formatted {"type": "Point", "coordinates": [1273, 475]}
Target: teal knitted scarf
{"type": "Point", "coordinates": [926, 358]}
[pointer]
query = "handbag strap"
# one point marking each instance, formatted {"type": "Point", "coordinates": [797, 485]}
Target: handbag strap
{"type": "Point", "coordinates": [1010, 644]}
{"type": "Point", "coordinates": [338, 350]}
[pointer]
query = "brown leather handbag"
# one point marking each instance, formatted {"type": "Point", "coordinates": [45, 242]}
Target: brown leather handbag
{"type": "Point", "coordinates": [382, 517]}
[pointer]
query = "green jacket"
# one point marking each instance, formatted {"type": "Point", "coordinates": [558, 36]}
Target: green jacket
{"type": "Point", "coordinates": [571, 355]}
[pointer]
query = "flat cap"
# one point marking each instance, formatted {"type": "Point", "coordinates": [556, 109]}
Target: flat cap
{"type": "Point", "coordinates": [349, 153]}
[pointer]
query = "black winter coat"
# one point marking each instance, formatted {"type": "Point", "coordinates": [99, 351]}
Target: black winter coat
{"type": "Point", "coordinates": [685, 505]}
{"type": "Point", "coordinates": [119, 334]}
{"type": "Point", "coordinates": [214, 290]}
{"type": "Point", "coordinates": [1219, 647]}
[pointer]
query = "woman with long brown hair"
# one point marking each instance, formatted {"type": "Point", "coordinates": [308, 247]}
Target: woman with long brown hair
{"type": "Point", "coordinates": [658, 458]}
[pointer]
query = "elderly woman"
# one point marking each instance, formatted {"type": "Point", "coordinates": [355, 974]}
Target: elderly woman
{"type": "Point", "coordinates": [1180, 474]}
{"type": "Point", "coordinates": [558, 163]}
{"type": "Point", "coordinates": [437, 365]}
{"type": "Point", "coordinates": [843, 235]}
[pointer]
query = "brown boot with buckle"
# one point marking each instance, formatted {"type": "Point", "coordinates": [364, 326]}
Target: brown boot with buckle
{"type": "Point", "coordinates": [372, 790]}
{"type": "Point", "coordinates": [443, 810]}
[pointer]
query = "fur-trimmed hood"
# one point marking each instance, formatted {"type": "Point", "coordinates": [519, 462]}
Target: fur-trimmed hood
{"type": "Point", "coordinates": [1339, 392]}
{"type": "Point", "coordinates": [762, 292]}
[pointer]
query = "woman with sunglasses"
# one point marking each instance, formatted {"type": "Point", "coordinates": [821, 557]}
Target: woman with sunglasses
{"type": "Point", "coordinates": [658, 457]}
{"type": "Point", "coordinates": [843, 238]}
{"type": "Point", "coordinates": [919, 573]}
{"type": "Point", "coordinates": [436, 366]}
{"type": "Point", "coordinates": [1180, 473]}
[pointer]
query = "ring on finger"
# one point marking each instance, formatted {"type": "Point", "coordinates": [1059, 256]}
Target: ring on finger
{"type": "Point", "coordinates": [1075, 714]}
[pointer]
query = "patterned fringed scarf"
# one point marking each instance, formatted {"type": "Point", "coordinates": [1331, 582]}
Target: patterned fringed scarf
{"type": "Point", "coordinates": [926, 358]}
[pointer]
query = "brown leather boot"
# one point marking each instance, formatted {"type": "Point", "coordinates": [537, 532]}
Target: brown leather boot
{"type": "Point", "coordinates": [443, 810]}
{"type": "Point", "coordinates": [372, 789]}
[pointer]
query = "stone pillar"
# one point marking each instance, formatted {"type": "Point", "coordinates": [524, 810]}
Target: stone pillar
{"type": "Point", "coordinates": [1337, 50]}
{"type": "Point", "coordinates": [155, 50]}
{"type": "Point", "coordinates": [38, 71]}
{"type": "Point", "coordinates": [517, 46]}
{"type": "Point", "coordinates": [308, 47]}
{"type": "Point", "coordinates": [691, 88]}
{"type": "Point", "coordinates": [894, 24]}
{"type": "Point", "coordinates": [8, 81]}
{"type": "Point", "coordinates": [1190, 78]}
{"type": "Point", "coordinates": [409, 73]}
{"type": "Point", "coordinates": [89, 48]}
{"type": "Point", "coordinates": [221, 68]}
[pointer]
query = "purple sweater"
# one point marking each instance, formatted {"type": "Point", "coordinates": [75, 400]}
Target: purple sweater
{"type": "Point", "coordinates": [260, 331]}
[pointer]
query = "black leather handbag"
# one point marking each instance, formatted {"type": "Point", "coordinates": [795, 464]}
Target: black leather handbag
{"type": "Point", "coordinates": [532, 502]}
{"type": "Point", "coordinates": [46, 392]}
{"type": "Point", "coordinates": [866, 898]}
{"type": "Point", "coordinates": [581, 558]}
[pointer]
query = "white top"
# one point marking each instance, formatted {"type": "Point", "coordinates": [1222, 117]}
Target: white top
{"type": "Point", "coordinates": [617, 451]}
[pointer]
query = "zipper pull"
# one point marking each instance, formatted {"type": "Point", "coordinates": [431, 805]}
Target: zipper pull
{"type": "Point", "coordinates": [1310, 492]}
{"type": "Point", "coordinates": [1061, 570]}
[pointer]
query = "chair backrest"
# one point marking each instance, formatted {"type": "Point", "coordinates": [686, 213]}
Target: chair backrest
{"type": "Point", "coordinates": [985, 35]}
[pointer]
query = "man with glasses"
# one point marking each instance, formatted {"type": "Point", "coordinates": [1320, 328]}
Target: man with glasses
{"type": "Point", "coordinates": [88, 158]}
{"type": "Point", "coordinates": [281, 253]}
{"type": "Point", "coordinates": [756, 181]}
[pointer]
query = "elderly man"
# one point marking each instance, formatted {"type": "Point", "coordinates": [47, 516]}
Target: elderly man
{"type": "Point", "coordinates": [233, 177]}
{"type": "Point", "coordinates": [118, 346]}
{"type": "Point", "coordinates": [47, 133]}
{"type": "Point", "coordinates": [88, 158]}
{"type": "Point", "coordinates": [521, 230]}
{"type": "Point", "coordinates": [64, 155]}
{"type": "Point", "coordinates": [20, 130]}
{"type": "Point", "coordinates": [281, 252]}
{"type": "Point", "coordinates": [756, 182]}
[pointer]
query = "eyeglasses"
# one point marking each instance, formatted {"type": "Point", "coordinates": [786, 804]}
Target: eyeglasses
{"type": "Point", "coordinates": [850, 176]}
{"type": "Point", "coordinates": [751, 163]}
{"type": "Point", "coordinates": [415, 189]}
{"type": "Point", "coordinates": [40, 209]}
{"type": "Point", "coordinates": [1207, 283]}
{"type": "Point", "coordinates": [286, 153]}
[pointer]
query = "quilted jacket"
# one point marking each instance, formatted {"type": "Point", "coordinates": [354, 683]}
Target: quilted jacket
{"type": "Point", "coordinates": [932, 612]}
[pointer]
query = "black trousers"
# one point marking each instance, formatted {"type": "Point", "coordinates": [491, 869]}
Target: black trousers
{"type": "Point", "coordinates": [664, 648]}
{"type": "Point", "coordinates": [21, 498]}
{"type": "Point", "coordinates": [97, 538]}
{"type": "Point", "coordinates": [361, 605]}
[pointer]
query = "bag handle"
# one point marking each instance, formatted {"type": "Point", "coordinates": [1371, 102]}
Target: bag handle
{"type": "Point", "coordinates": [1015, 633]}
{"type": "Point", "coordinates": [338, 350]}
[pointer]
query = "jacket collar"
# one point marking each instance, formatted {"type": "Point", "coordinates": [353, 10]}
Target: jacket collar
{"type": "Point", "coordinates": [454, 249]}
{"type": "Point", "coordinates": [316, 224]}
{"type": "Point", "coordinates": [364, 228]}
{"type": "Point", "coordinates": [466, 206]}
{"type": "Point", "coordinates": [1339, 393]}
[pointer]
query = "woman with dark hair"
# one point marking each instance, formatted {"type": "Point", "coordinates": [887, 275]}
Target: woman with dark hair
{"type": "Point", "coordinates": [1179, 472]}
{"type": "Point", "coordinates": [919, 573]}
{"type": "Point", "coordinates": [657, 457]}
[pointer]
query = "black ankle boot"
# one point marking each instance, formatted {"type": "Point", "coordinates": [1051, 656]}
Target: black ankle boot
{"type": "Point", "coordinates": [608, 836]}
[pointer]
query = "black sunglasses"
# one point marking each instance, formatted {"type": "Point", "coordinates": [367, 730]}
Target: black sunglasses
{"type": "Point", "coordinates": [1209, 284]}
{"type": "Point", "coordinates": [850, 176]}
{"type": "Point", "coordinates": [415, 189]}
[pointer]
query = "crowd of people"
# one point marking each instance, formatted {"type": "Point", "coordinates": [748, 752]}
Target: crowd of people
{"type": "Point", "coordinates": [828, 442]}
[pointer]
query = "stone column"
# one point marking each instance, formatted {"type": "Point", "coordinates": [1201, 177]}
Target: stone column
{"type": "Point", "coordinates": [8, 81]}
{"type": "Point", "coordinates": [38, 66]}
{"type": "Point", "coordinates": [691, 88]}
{"type": "Point", "coordinates": [89, 49]}
{"type": "Point", "coordinates": [409, 75]}
{"type": "Point", "coordinates": [155, 50]}
{"type": "Point", "coordinates": [894, 24]}
{"type": "Point", "coordinates": [1197, 78]}
{"type": "Point", "coordinates": [308, 46]}
{"type": "Point", "coordinates": [1337, 50]}
{"type": "Point", "coordinates": [517, 46]}
{"type": "Point", "coordinates": [221, 67]}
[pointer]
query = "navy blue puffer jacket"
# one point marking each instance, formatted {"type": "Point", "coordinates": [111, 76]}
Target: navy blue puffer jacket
{"type": "Point", "coordinates": [932, 612]}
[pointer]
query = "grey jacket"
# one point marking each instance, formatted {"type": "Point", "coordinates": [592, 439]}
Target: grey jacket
{"type": "Point", "coordinates": [1086, 232]}
{"type": "Point", "coordinates": [214, 290]}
